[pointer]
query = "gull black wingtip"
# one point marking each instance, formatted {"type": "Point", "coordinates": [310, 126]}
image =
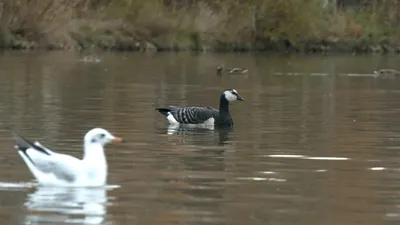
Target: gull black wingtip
{"type": "Point", "coordinates": [21, 143]}
{"type": "Point", "coordinates": [16, 137]}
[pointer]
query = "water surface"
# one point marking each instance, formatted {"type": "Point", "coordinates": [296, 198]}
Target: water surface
{"type": "Point", "coordinates": [315, 141]}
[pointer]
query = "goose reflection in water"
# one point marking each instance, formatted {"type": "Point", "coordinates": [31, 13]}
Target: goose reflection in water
{"type": "Point", "coordinates": [209, 131]}
{"type": "Point", "coordinates": [66, 205]}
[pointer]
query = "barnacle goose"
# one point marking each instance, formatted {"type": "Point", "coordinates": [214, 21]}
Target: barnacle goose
{"type": "Point", "coordinates": [203, 115]}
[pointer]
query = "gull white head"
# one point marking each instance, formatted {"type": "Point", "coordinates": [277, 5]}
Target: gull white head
{"type": "Point", "coordinates": [100, 136]}
{"type": "Point", "coordinates": [232, 95]}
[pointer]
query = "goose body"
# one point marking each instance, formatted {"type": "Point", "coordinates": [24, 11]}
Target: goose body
{"type": "Point", "coordinates": [208, 116]}
{"type": "Point", "coordinates": [55, 169]}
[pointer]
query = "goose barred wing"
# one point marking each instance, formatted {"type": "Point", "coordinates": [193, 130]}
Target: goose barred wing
{"type": "Point", "coordinates": [194, 115]}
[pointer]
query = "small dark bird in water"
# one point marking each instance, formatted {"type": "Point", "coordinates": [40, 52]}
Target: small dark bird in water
{"type": "Point", "coordinates": [386, 73]}
{"type": "Point", "coordinates": [91, 59]}
{"type": "Point", "coordinates": [221, 68]}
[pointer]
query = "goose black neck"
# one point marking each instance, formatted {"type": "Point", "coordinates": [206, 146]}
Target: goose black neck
{"type": "Point", "coordinates": [223, 105]}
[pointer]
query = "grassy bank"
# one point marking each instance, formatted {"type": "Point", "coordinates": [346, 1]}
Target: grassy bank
{"type": "Point", "coordinates": [204, 25]}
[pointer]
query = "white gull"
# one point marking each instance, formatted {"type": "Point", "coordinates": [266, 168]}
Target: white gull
{"type": "Point", "coordinates": [55, 169]}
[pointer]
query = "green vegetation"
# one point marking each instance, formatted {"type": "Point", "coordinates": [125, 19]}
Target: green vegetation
{"type": "Point", "coordinates": [225, 25]}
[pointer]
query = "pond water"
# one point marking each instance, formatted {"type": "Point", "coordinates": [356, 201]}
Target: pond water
{"type": "Point", "coordinates": [315, 141]}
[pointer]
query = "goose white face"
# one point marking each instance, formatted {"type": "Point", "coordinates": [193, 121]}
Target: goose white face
{"type": "Point", "coordinates": [101, 136]}
{"type": "Point", "coordinates": [232, 95]}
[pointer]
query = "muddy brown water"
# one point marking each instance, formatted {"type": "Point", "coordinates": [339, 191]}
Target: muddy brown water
{"type": "Point", "coordinates": [315, 142]}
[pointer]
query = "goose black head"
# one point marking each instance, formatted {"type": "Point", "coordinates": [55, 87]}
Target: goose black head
{"type": "Point", "coordinates": [232, 95]}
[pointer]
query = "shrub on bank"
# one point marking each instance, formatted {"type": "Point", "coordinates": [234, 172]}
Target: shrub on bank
{"type": "Point", "coordinates": [222, 25]}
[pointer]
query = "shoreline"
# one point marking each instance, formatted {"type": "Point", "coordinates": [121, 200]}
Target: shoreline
{"type": "Point", "coordinates": [307, 47]}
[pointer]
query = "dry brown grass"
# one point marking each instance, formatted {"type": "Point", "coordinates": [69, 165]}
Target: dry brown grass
{"type": "Point", "coordinates": [34, 22]}
{"type": "Point", "coordinates": [188, 24]}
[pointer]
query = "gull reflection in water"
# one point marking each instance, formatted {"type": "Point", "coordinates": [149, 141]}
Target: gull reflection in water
{"type": "Point", "coordinates": [67, 205]}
